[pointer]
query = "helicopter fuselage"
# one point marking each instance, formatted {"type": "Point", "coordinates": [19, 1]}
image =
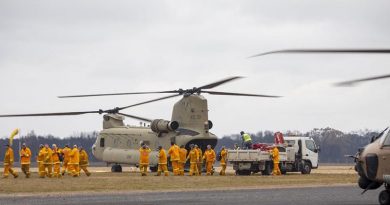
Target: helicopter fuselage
{"type": "Point", "coordinates": [119, 144]}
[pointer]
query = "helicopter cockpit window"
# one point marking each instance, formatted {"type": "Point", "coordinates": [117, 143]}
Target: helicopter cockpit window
{"type": "Point", "coordinates": [310, 145]}
{"type": "Point", "coordinates": [374, 138]}
{"type": "Point", "coordinates": [384, 137]}
{"type": "Point", "coordinates": [385, 140]}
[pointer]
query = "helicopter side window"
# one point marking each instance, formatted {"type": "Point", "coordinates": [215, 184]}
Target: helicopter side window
{"type": "Point", "coordinates": [101, 142]}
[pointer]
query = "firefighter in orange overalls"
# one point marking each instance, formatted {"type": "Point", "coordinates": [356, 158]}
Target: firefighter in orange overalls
{"type": "Point", "coordinates": [162, 162]}
{"type": "Point", "coordinates": [275, 157]}
{"type": "Point", "coordinates": [209, 156]}
{"type": "Point", "coordinates": [25, 160]}
{"type": "Point", "coordinates": [48, 160]}
{"type": "Point", "coordinates": [74, 161]}
{"type": "Point", "coordinates": [200, 160]}
{"type": "Point", "coordinates": [223, 161]}
{"type": "Point", "coordinates": [65, 153]}
{"type": "Point", "coordinates": [174, 153]}
{"type": "Point", "coordinates": [8, 162]}
{"type": "Point", "coordinates": [56, 161]}
{"type": "Point", "coordinates": [144, 152]}
{"type": "Point", "coordinates": [84, 161]}
{"type": "Point", "coordinates": [182, 161]}
{"type": "Point", "coordinates": [40, 158]}
{"type": "Point", "coordinates": [194, 158]}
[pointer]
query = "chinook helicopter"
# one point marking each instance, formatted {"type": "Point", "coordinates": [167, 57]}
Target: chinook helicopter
{"type": "Point", "coordinates": [372, 163]}
{"type": "Point", "coordinates": [118, 144]}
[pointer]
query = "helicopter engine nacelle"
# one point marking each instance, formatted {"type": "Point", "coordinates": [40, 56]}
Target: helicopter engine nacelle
{"type": "Point", "coordinates": [161, 125]}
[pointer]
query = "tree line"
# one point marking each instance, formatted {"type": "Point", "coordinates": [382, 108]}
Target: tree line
{"type": "Point", "coordinates": [334, 144]}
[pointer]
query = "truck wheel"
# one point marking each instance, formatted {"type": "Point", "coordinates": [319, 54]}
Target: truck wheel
{"type": "Point", "coordinates": [267, 170]}
{"type": "Point", "coordinates": [306, 168]}
{"type": "Point", "coordinates": [384, 198]}
{"type": "Point", "coordinates": [116, 168]}
{"type": "Point", "coordinates": [283, 169]}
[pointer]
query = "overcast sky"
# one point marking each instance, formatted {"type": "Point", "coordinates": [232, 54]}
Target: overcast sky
{"type": "Point", "coordinates": [50, 48]}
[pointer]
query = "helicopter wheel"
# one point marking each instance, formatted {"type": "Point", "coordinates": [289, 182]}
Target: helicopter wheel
{"type": "Point", "coordinates": [384, 197]}
{"type": "Point", "coordinates": [116, 168]}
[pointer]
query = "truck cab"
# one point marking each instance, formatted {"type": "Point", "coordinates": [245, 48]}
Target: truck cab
{"type": "Point", "coordinates": [305, 154]}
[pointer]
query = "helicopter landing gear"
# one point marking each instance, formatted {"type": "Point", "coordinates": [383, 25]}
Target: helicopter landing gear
{"type": "Point", "coordinates": [153, 169]}
{"type": "Point", "coordinates": [116, 168]}
{"type": "Point", "coordinates": [384, 197]}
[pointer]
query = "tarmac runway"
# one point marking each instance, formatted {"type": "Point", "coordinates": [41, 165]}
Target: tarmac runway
{"type": "Point", "coordinates": [314, 195]}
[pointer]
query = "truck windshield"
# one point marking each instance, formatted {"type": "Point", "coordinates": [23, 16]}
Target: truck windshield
{"type": "Point", "coordinates": [310, 145]}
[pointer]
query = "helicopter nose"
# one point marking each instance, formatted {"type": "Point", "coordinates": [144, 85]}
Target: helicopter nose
{"type": "Point", "coordinates": [372, 165]}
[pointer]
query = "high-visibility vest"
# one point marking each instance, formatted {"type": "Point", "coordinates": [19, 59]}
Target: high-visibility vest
{"type": "Point", "coordinates": [246, 137]}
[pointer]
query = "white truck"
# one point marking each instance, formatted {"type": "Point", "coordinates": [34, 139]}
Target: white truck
{"type": "Point", "coordinates": [298, 154]}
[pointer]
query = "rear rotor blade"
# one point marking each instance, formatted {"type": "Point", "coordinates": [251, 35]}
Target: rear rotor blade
{"type": "Point", "coordinates": [240, 94]}
{"type": "Point", "coordinates": [136, 117]}
{"type": "Point", "coordinates": [353, 82]}
{"type": "Point", "coordinates": [377, 51]}
{"type": "Point", "coordinates": [111, 94]}
{"type": "Point", "coordinates": [215, 84]}
{"type": "Point", "coordinates": [149, 101]}
{"type": "Point", "coordinates": [50, 114]}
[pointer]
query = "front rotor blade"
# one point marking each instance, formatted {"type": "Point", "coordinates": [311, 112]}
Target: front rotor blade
{"type": "Point", "coordinates": [50, 114]}
{"type": "Point", "coordinates": [377, 51]}
{"type": "Point", "coordinates": [149, 101]}
{"type": "Point", "coordinates": [136, 117]}
{"type": "Point", "coordinates": [215, 84]}
{"type": "Point", "coordinates": [241, 94]}
{"type": "Point", "coordinates": [111, 94]}
{"type": "Point", "coordinates": [353, 82]}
